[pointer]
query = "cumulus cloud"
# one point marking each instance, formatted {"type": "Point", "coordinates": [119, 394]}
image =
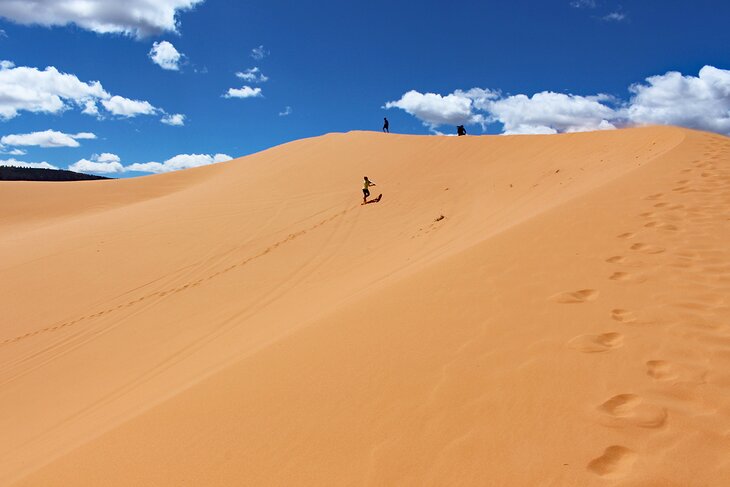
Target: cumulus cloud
{"type": "Point", "coordinates": [125, 107]}
{"type": "Point", "coordinates": [139, 18]}
{"type": "Point", "coordinates": [165, 55]}
{"type": "Point", "coordinates": [253, 75]}
{"type": "Point", "coordinates": [177, 119]}
{"type": "Point", "coordinates": [258, 53]}
{"type": "Point", "coordinates": [47, 91]}
{"type": "Point", "coordinates": [17, 163]}
{"type": "Point", "coordinates": [47, 138]}
{"type": "Point", "coordinates": [701, 102]}
{"type": "Point", "coordinates": [434, 110]}
{"type": "Point", "coordinates": [50, 91]}
{"type": "Point", "coordinates": [180, 161]}
{"type": "Point", "coordinates": [105, 163]}
{"type": "Point", "coordinates": [244, 92]}
{"type": "Point", "coordinates": [286, 112]}
{"type": "Point", "coordinates": [108, 163]}
{"type": "Point", "coordinates": [548, 112]}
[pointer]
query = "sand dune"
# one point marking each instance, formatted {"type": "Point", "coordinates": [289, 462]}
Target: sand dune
{"type": "Point", "coordinates": [250, 323]}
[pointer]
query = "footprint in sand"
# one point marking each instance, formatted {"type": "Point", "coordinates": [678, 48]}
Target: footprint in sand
{"type": "Point", "coordinates": [623, 315]}
{"type": "Point", "coordinates": [616, 259]}
{"type": "Point", "coordinates": [620, 276]}
{"type": "Point", "coordinates": [597, 343]}
{"type": "Point", "coordinates": [576, 297]}
{"type": "Point", "coordinates": [646, 248]}
{"type": "Point", "coordinates": [661, 225]}
{"type": "Point", "coordinates": [630, 409]}
{"type": "Point", "coordinates": [626, 235]}
{"type": "Point", "coordinates": [615, 461]}
{"type": "Point", "coordinates": [654, 196]}
{"type": "Point", "coordinates": [627, 277]}
{"type": "Point", "coordinates": [660, 370]}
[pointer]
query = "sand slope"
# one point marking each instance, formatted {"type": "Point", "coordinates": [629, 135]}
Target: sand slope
{"type": "Point", "coordinates": [249, 323]}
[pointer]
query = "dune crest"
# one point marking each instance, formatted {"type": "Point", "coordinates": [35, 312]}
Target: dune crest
{"type": "Point", "coordinates": [531, 310]}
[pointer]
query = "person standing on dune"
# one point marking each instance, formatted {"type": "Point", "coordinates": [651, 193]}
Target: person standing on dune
{"type": "Point", "coordinates": [386, 126]}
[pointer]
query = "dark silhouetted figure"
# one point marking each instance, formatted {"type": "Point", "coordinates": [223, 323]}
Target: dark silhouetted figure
{"type": "Point", "coordinates": [460, 130]}
{"type": "Point", "coordinates": [386, 125]}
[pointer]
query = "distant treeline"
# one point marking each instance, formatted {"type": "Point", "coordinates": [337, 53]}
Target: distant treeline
{"type": "Point", "coordinates": [12, 173]}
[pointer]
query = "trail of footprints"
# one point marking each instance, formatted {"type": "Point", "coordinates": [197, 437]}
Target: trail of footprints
{"type": "Point", "coordinates": [166, 292]}
{"type": "Point", "coordinates": [663, 221]}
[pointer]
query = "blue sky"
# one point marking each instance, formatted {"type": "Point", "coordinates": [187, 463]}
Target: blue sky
{"type": "Point", "coordinates": [514, 67]}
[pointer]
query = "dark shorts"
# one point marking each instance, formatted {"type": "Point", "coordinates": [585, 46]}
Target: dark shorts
{"type": "Point", "coordinates": [366, 192]}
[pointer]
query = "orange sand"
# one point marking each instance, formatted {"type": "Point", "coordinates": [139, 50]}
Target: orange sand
{"type": "Point", "coordinates": [250, 323]}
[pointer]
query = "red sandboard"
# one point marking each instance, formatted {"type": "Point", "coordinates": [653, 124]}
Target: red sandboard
{"type": "Point", "coordinates": [373, 200]}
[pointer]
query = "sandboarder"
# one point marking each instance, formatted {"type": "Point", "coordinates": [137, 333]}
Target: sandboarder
{"type": "Point", "coordinates": [366, 190]}
{"type": "Point", "coordinates": [386, 125]}
{"type": "Point", "coordinates": [460, 130]}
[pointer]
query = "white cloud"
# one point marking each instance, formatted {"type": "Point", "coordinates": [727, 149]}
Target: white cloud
{"type": "Point", "coordinates": [108, 163]}
{"type": "Point", "coordinates": [258, 53]}
{"type": "Point", "coordinates": [614, 17]}
{"type": "Point", "coordinates": [245, 92]}
{"type": "Point", "coordinates": [701, 102]}
{"type": "Point", "coordinates": [90, 108]}
{"type": "Point", "coordinates": [583, 3]}
{"type": "Point", "coordinates": [434, 110]}
{"type": "Point", "coordinates": [125, 107]}
{"type": "Point", "coordinates": [50, 91]}
{"type": "Point", "coordinates": [47, 91]}
{"type": "Point", "coordinates": [17, 163]}
{"type": "Point", "coordinates": [286, 112]}
{"type": "Point", "coordinates": [3, 33]}
{"type": "Point", "coordinates": [138, 18]}
{"type": "Point", "coordinates": [549, 112]}
{"type": "Point", "coordinates": [105, 163]}
{"type": "Point", "coordinates": [16, 152]}
{"type": "Point", "coordinates": [47, 138]}
{"type": "Point", "coordinates": [177, 119]}
{"type": "Point", "coordinates": [181, 161]}
{"type": "Point", "coordinates": [253, 75]}
{"type": "Point", "coordinates": [165, 55]}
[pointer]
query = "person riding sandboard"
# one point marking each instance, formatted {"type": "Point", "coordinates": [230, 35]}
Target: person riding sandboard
{"type": "Point", "coordinates": [366, 191]}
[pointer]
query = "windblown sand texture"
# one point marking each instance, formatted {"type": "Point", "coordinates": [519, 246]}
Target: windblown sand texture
{"type": "Point", "coordinates": [567, 323]}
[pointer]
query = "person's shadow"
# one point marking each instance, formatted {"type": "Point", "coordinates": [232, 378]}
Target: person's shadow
{"type": "Point", "coordinates": [374, 200]}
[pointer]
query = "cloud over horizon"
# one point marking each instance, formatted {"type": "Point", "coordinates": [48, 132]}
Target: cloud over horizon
{"type": "Point", "coordinates": [46, 138]}
{"type": "Point", "coordinates": [700, 102]}
{"type": "Point", "coordinates": [137, 18]}
{"type": "Point", "coordinates": [105, 163]}
{"type": "Point", "coordinates": [36, 165]}
{"type": "Point", "coordinates": [108, 163]}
